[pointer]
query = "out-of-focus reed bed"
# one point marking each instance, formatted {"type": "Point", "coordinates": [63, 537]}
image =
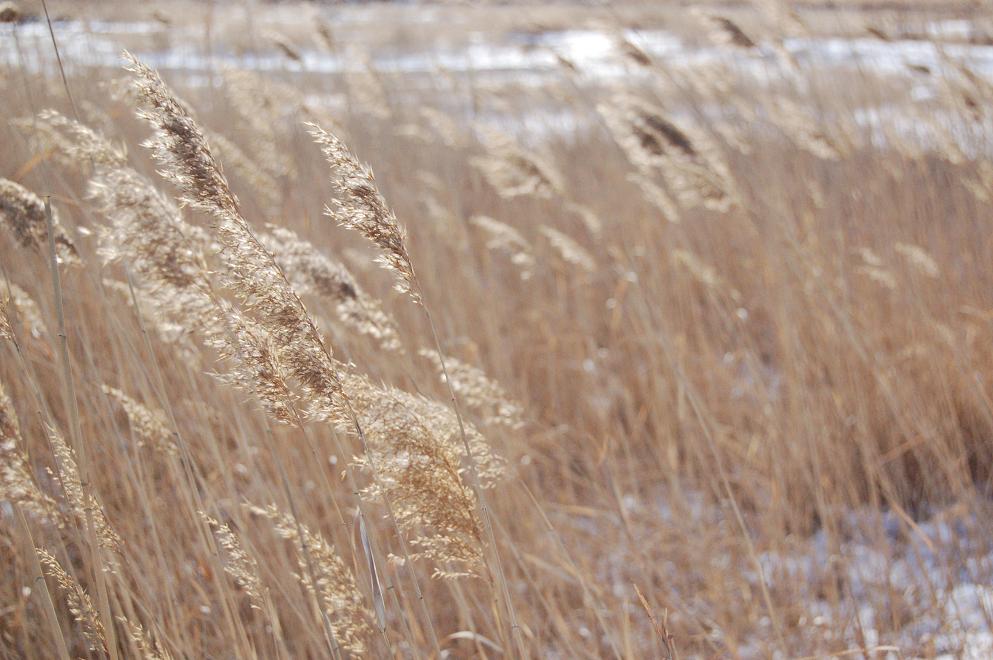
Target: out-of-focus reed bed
{"type": "Point", "coordinates": [708, 375]}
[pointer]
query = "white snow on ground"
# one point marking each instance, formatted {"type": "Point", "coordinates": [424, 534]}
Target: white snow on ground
{"type": "Point", "coordinates": [907, 590]}
{"type": "Point", "coordinates": [595, 52]}
{"type": "Point", "coordinates": [887, 566]}
{"type": "Point", "coordinates": [529, 60]}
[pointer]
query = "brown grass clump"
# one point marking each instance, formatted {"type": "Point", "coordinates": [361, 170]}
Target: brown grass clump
{"type": "Point", "coordinates": [242, 567]}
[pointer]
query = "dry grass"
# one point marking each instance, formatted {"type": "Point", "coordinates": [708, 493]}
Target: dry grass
{"type": "Point", "coordinates": [706, 375]}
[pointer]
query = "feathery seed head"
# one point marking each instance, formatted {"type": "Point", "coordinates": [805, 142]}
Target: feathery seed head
{"type": "Point", "coordinates": [310, 271]}
{"type": "Point", "coordinates": [16, 482]}
{"type": "Point", "coordinates": [23, 213]}
{"type": "Point", "coordinates": [80, 604]}
{"type": "Point", "coordinates": [333, 583]}
{"type": "Point", "coordinates": [362, 208]}
{"type": "Point", "coordinates": [150, 426]}
{"type": "Point", "coordinates": [241, 566]}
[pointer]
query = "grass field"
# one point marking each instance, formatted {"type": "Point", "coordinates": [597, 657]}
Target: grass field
{"type": "Point", "coordinates": [560, 331]}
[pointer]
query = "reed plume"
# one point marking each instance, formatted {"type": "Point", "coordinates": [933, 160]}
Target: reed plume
{"type": "Point", "coordinates": [76, 143]}
{"type": "Point", "coordinates": [255, 363]}
{"type": "Point", "coordinates": [366, 91]}
{"type": "Point", "coordinates": [147, 232]}
{"type": "Point", "coordinates": [16, 483]}
{"type": "Point", "coordinates": [332, 581]}
{"type": "Point", "coordinates": [688, 162]}
{"type": "Point", "coordinates": [148, 647]}
{"type": "Point", "coordinates": [426, 487]}
{"type": "Point", "coordinates": [657, 197]}
{"type": "Point", "coordinates": [272, 323]}
{"type": "Point", "coordinates": [6, 330]}
{"type": "Point", "coordinates": [362, 208]}
{"type": "Point", "coordinates": [727, 31]}
{"type": "Point", "coordinates": [570, 251]}
{"type": "Point", "coordinates": [80, 604]}
{"type": "Point", "coordinates": [150, 426]}
{"type": "Point", "coordinates": [633, 52]}
{"type": "Point", "coordinates": [310, 271]}
{"type": "Point", "coordinates": [261, 182]}
{"type": "Point", "coordinates": [450, 133]}
{"type": "Point", "coordinates": [478, 391]}
{"type": "Point", "coordinates": [514, 171]}
{"type": "Point", "coordinates": [413, 443]}
{"type": "Point", "coordinates": [9, 12]}
{"type": "Point", "coordinates": [21, 307]}
{"type": "Point", "coordinates": [807, 132]}
{"type": "Point", "coordinates": [241, 566]}
{"type": "Point", "coordinates": [918, 257]}
{"type": "Point", "coordinates": [23, 214]}
{"type": "Point", "coordinates": [257, 101]}
{"type": "Point", "coordinates": [590, 220]}
{"type": "Point", "coordinates": [503, 238]}
{"type": "Point", "coordinates": [701, 272]}
{"type": "Point", "coordinates": [83, 505]}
